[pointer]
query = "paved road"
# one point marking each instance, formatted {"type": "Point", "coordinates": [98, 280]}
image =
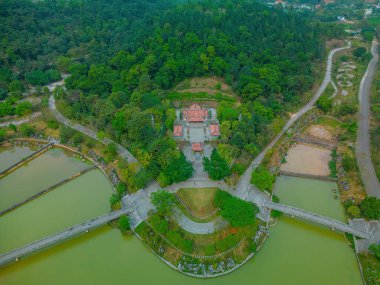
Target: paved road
{"type": "Point", "coordinates": [123, 152]}
{"type": "Point", "coordinates": [334, 224]}
{"type": "Point", "coordinates": [363, 150]}
{"type": "Point", "coordinates": [198, 228]}
{"type": "Point", "coordinates": [58, 237]}
{"type": "Point", "coordinates": [243, 185]}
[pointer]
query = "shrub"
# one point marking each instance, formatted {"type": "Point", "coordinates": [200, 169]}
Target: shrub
{"type": "Point", "coordinates": [115, 201]}
{"type": "Point", "coordinates": [237, 212]}
{"type": "Point", "coordinates": [370, 208]}
{"type": "Point", "coordinates": [375, 249]}
{"type": "Point", "coordinates": [27, 130]}
{"type": "Point", "coordinates": [263, 179]}
{"type": "Point", "coordinates": [216, 167]}
{"type": "Point", "coordinates": [124, 224]}
{"type": "Point", "coordinates": [324, 103]}
{"type": "Point", "coordinates": [163, 201]}
{"type": "Point", "coordinates": [354, 211]}
{"type": "Point", "coordinates": [348, 163]}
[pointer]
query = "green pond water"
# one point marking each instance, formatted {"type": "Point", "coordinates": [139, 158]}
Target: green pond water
{"type": "Point", "coordinates": [46, 170]}
{"type": "Point", "coordinates": [10, 156]}
{"type": "Point", "coordinates": [295, 253]}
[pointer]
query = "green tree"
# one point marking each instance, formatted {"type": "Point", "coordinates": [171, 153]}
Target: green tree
{"type": "Point", "coordinates": [177, 170]}
{"type": "Point", "coordinates": [216, 167]}
{"type": "Point", "coordinates": [375, 249]}
{"type": "Point", "coordinates": [163, 201]}
{"type": "Point", "coordinates": [263, 179]}
{"type": "Point", "coordinates": [124, 224]}
{"type": "Point", "coordinates": [370, 208]}
{"type": "Point", "coordinates": [16, 85]}
{"type": "Point", "coordinates": [3, 134]}
{"type": "Point", "coordinates": [354, 211]}
{"type": "Point", "coordinates": [324, 103]}
{"type": "Point", "coordinates": [237, 212]}
{"type": "Point", "coordinates": [115, 201]}
{"type": "Point", "coordinates": [121, 189]}
{"type": "Point", "coordinates": [27, 130]}
{"type": "Point", "coordinates": [359, 52]}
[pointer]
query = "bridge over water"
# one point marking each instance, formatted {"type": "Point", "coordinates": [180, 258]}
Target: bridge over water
{"type": "Point", "coordinates": [53, 239]}
{"type": "Point", "coordinates": [333, 224]}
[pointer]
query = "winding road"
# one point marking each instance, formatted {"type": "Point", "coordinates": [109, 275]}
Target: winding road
{"type": "Point", "coordinates": [244, 182]}
{"type": "Point", "coordinates": [123, 152]}
{"type": "Point", "coordinates": [363, 149]}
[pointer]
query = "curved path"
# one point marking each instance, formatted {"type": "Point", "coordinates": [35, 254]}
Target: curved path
{"type": "Point", "coordinates": [60, 236]}
{"type": "Point", "coordinates": [21, 121]}
{"type": "Point", "coordinates": [198, 228]}
{"type": "Point", "coordinates": [123, 152]}
{"type": "Point", "coordinates": [244, 182]}
{"type": "Point", "coordinates": [334, 224]}
{"type": "Point", "coordinates": [363, 150]}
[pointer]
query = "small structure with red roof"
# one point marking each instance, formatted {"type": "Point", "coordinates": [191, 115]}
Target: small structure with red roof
{"type": "Point", "coordinates": [178, 131]}
{"type": "Point", "coordinates": [214, 130]}
{"type": "Point", "coordinates": [197, 147]}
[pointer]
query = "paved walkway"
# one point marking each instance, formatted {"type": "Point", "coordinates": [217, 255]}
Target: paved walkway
{"type": "Point", "coordinates": [244, 182]}
{"type": "Point", "coordinates": [123, 152]}
{"type": "Point", "coordinates": [198, 228]}
{"type": "Point", "coordinates": [363, 150]}
{"type": "Point", "coordinates": [53, 239]}
{"type": "Point", "coordinates": [334, 224]}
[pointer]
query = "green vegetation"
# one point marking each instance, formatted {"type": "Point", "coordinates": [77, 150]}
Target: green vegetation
{"type": "Point", "coordinates": [324, 103]}
{"type": "Point", "coordinates": [115, 200]}
{"type": "Point", "coordinates": [124, 225]}
{"type": "Point", "coordinates": [275, 213]}
{"type": "Point", "coordinates": [375, 249]}
{"type": "Point", "coordinates": [200, 201]}
{"type": "Point", "coordinates": [371, 268]}
{"type": "Point", "coordinates": [163, 201]}
{"type": "Point", "coordinates": [237, 212]}
{"type": "Point", "coordinates": [216, 167]}
{"type": "Point", "coordinates": [178, 169]}
{"type": "Point", "coordinates": [370, 208]}
{"type": "Point", "coordinates": [375, 122]}
{"type": "Point", "coordinates": [263, 179]}
{"type": "Point", "coordinates": [332, 164]}
{"type": "Point", "coordinates": [199, 96]}
{"type": "Point", "coordinates": [124, 59]}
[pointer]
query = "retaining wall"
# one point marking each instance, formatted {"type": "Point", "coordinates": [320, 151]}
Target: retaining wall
{"type": "Point", "coordinates": [311, 176]}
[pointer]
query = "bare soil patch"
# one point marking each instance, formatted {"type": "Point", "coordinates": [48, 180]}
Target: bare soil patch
{"type": "Point", "coordinates": [307, 159]}
{"type": "Point", "coordinates": [320, 132]}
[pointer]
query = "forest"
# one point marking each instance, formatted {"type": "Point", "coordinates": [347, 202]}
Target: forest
{"type": "Point", "coordinates": [125, 56]}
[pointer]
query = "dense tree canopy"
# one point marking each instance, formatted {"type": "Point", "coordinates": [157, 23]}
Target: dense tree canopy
{"type": "Point", "coordinates": [237, 212]}
{"type": "Point", "coordinates": [123, 56]}
{"type": "Point", "coordinates": [216, 166]}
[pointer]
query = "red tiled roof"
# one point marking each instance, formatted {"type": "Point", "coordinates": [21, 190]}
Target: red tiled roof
{"type": "Point", "coordinates": [195, 113]}
{"type": "Point", "coordinates": [214, 130]}
{"type": "Point", "coordinates": [197, 147]}
{"type": "Point", "coordinates": [178, 131]}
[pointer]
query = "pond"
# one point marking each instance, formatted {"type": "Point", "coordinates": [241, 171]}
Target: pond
{"type": "Point", "coordinates": [296, 252]}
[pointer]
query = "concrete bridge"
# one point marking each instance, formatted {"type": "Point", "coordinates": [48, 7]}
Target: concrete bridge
{"type": "Point", "coordinates": [333, 224]}
{"type": "Point", "coordinates": [53, 239]}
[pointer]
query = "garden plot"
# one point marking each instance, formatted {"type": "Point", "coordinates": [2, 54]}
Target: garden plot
{"type": "Point", "coordinates": [307, 159]}
{"type": "Point", "coordinates": [344, 75]}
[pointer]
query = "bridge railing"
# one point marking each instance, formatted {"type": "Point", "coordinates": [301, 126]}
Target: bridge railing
{"type": "Point", "coordinates": [316, 218]}
{"type": "Point", "coordinates": [59, 236]}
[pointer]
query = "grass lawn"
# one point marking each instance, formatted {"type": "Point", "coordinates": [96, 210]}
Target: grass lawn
{"type": "Point", "coordinates": [199, 200]}
{"type": "Point", "coordinates": [374, 20]}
